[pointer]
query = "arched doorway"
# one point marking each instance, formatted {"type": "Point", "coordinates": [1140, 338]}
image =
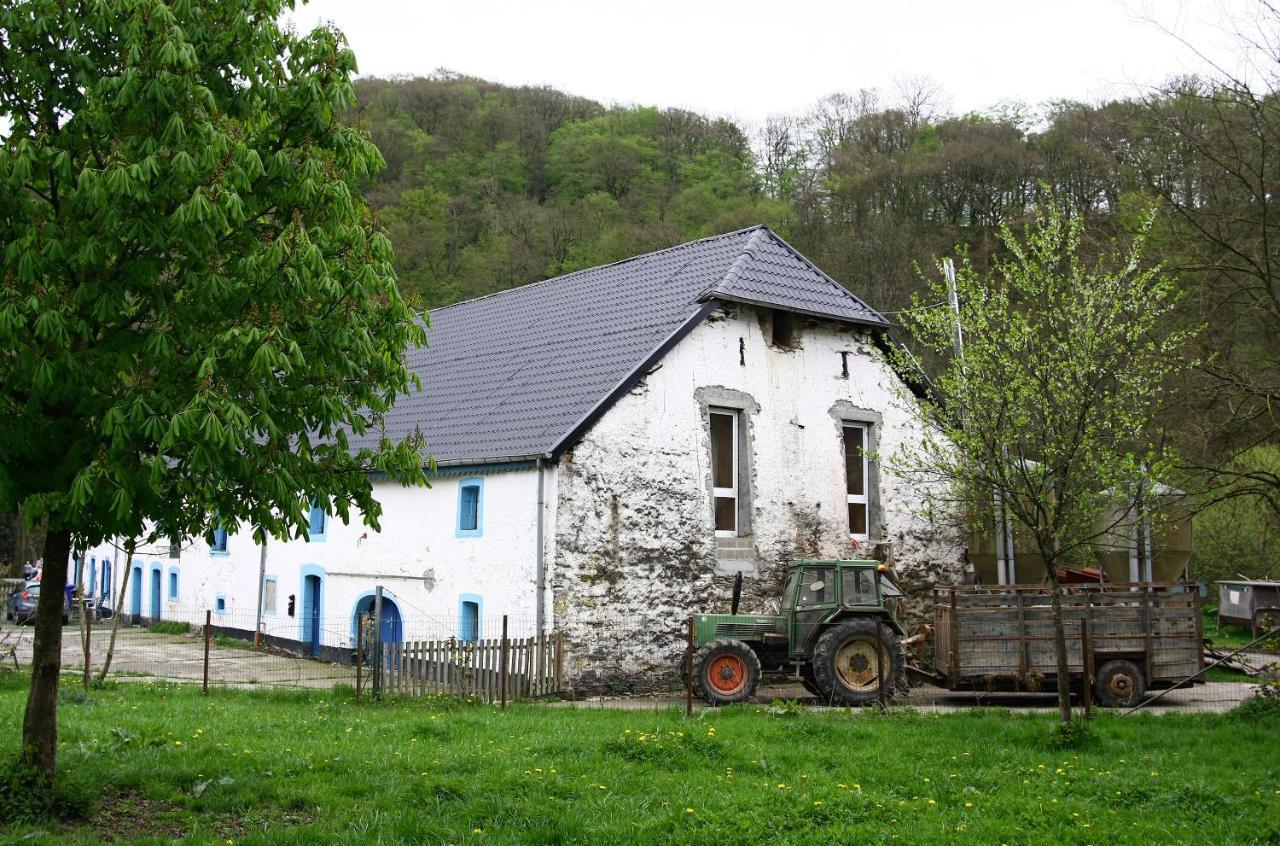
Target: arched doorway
{"type": "Point", "coordinates": [155, 593]}
{"type": "Point", "coordinates": [135, 595]}
{"type": "Point", "coordinates": [392, 621]}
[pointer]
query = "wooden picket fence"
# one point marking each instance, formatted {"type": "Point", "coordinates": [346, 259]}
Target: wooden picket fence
{"type": "Point", "coordinates": [532, 669]}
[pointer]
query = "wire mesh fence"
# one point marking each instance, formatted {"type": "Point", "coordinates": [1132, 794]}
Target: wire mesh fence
{"type": "Point", "coordinates": [646, 661]}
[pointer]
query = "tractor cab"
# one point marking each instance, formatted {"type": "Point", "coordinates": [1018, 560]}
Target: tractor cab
{"type": "Point", "coordinates": [835, 631]}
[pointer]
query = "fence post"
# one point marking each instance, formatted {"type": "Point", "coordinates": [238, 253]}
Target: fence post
{"type": "Point", "coordinates": [1086, 665]}
{"type": "Point", "coordinates": [379, 658]}
{"type": "Point", "coordinates": [880, 697]}
{"type": "Point", "coordinates": [359, 652]}
{"type": "Point", "coordinates": [208, 635]}
{"type": "Point", "coordinates": [88, 643]}
{"type": "Point", "coordinates": [503, 681]}
{"type": "Point", "coordinates": [559, 661]}
{"type": "Point", "coordinates": [688, 671]}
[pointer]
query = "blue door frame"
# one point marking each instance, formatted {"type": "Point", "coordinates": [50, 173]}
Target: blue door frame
{"type": "Point", "coordinates": [392, 620]}
{"type": "Point", "coordinates": [105, 594]}
{"type": "Point", "coordinates": [155, 593]}
{"type": "Point", "coordinates": [135, 598]}
{"type": "Point", "coordinates": [312, 606]}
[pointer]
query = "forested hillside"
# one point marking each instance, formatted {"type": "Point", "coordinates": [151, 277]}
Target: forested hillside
{"type": "Point", "coordinates": [490, 186]}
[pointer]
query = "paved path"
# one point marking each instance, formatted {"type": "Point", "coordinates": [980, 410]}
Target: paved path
{"type": "Point", "coordinates": [180, 658]}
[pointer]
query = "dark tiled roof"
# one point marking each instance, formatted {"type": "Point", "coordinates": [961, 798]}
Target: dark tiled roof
{"type": "Point", "coordinates": [513, 374]}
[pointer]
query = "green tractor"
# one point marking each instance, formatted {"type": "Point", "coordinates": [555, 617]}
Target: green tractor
{"type": "Point", "coordinates": [836, 632]}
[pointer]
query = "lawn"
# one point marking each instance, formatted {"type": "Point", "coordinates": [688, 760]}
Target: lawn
{"type": "Point", "coordinates": [250, 767]}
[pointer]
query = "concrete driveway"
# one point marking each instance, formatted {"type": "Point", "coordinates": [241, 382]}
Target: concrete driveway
{"type": "Point", "coordinates": [144, 655]}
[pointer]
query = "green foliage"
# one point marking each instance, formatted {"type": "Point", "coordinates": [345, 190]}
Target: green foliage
{"type": "Point", "coordinates": [1056, 397]}
{"type": "Point", "coordinates": [169, 627]}
{"type": "Point", "coordinates": [199, 310]}
{"type": "Point", "coordinates": [1262, 706]}
{"type": "Point", "coordinates": [25, 796]}
{"type": "Point", "coordinates": [1074, 734]}
{"type": "Point", "coordinates": [1240, 535]}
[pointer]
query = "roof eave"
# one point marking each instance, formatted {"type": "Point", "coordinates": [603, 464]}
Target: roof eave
{"type": "Point", "coordinates": [879, 323]}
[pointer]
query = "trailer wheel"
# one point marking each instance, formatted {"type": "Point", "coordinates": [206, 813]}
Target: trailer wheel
{"type": "Point", "coordinates": [1120, 684]}
{"type": "Point", "coordinates": [725, 672]}
{"type": "Point", "coordinates": [845, 663]}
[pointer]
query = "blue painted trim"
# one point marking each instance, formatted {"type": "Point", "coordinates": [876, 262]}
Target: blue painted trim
{"type": "Point", "coordinates": [157, 608]}
{"type": "Point", "coordinates": [471, 482]}
{"type": "Point", "coordinates": [174, 583]}
{"type": "Point", "coordinates": [214, 549]}
{"type": "Point", "coordinates": [220, 604]}
{"type": "Point", "coordinates": [386, 594]}
{"type": "Point", "coordinates": [135, 590]}
{"type": "Point", "coordinates": [303, 620]}
{"type": "Point", "coordinates": [479, 601]}
{"type": "Point", "coordinates": [312, 535]}
{"type": "Point", "coordinates": [270, 577]}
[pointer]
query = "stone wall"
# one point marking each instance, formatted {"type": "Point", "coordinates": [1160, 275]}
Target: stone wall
{"type": "Point", "coordinates": [636, 551]}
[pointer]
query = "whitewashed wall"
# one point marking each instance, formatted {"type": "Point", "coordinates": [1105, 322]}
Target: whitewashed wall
{"type": "Point", "coordinates": [418, 538]}
{"type": "Point", "coordinates": [637, 552]}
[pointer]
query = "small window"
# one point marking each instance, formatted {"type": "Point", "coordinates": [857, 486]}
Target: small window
{"type": "Point", "coordinates": [269, 595]}
{"type": "Point", "coordinates": [220, 604]}
{"type": "Point", "coordinates": [724, 471]}
{"type": "Point", "coordinates": [316, 522]}
{"type": "Point", "coordinates": [855, 471]}
{"type": "Point", "coordinates": [470, 508]}
{"type": "Point", "coordinates": [173, 585]}
{"type": "Point", "coordinates": [218, 540]}
{"type": "Point", "coordinates": [784, 329]}
{"type": "Point", "coordinates": [859, 586]}
{"type": "Point", "coordinates": [469, 625]}
{"type": "Point", "coordinates": [816, 587]}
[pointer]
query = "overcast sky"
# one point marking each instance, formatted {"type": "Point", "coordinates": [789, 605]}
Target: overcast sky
{"type": "Point", "coordinates": [749, 59]}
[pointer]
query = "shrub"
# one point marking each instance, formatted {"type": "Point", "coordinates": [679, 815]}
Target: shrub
{"type": "Point", "coordinates": [169, 627]}
{"type": "Point", "coordinates": [1072, 735]}
{"type": "Point", "coordinates": [1263, 704]}
{"type": "Point", "coordinates": [25, 796]}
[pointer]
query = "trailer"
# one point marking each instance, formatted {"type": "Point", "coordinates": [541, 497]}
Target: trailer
{"type": "Point", "coordinates": [1125, 639]}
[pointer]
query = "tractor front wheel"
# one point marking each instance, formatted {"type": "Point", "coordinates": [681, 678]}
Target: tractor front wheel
{"type": "Point", "coordinates": [725, 672]}
{"type": "Point", "coordinates": [848, 659]}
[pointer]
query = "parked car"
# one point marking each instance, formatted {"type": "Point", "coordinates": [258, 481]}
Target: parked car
{"type": "Point", "coordinates": [21, 607]}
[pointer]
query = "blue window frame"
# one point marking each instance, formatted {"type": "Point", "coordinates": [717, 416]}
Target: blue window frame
{"type": "Point", "coordinates": [220, 604]}
{"type": "Point", "coordinates": [173, 584]}
{"type": "Point", "coordinates": [470, 508]}
{"type": "Point", "coordinates": [317, 522]}
{"type": "Point", "coordinates": [469, 610]}
{"type": "Point", "coordinates": [218, 540]}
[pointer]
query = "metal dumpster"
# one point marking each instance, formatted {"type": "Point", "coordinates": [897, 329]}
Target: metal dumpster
{"type": "Point", "coordinates": [1245, 601]}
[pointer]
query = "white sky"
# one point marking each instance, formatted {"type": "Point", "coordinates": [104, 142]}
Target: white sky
{"type": "Point", "coordinates": [749, 59]}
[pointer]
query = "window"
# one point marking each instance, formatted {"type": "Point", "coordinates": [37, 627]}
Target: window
{"type": "Point", "coordinates": [470, 508]}
{"type": "Point", "coordinates": [816, 587]}
{"type": "Point", "coordinates": [220, 604]}
{"type": "Point", "coordinates": [784, 329]}
{"type": "Point", "coordinates": [855, 471]}
{"type": "Point", "coordinates": [173, 585]}
{"type": "Point", "coordinates": [469, 620]}
{"type": "Point", "coordinates": [316, 522]}
{"type": "Point", "coordinates": [724, 471]}
{"type": "Point", "coordinates": [218, 540]}
{"type": "Point", "coordinates": [269, 591]}
{"type": "Point", "coordinates": [859, 586]}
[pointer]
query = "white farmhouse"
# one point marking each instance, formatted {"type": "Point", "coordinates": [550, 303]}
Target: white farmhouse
{"type": "Point", "coordinates": [612, 446]}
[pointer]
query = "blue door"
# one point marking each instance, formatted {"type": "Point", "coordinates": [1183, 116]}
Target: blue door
{"type": "Point", "coordinates": [92, 580]}
{"type": "Point", "coordinates": [155, 595]}
{"type": "Point", "coordinates": [311, 612]}
{"type": "Point", "coordinates": [135, 598]}
{"type": "Point", "coordinates": [106, 582]}
{"type": "Point", "coordinates": [392, 622]}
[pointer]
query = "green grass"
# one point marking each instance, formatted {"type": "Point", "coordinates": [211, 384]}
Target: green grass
{"type": "Point", "coordinates": [264, 767]}
{"type": "Point", "coordinates": [1232, 636]}
{"type": "Point", "coordinates": [169, 627]}
{"type": "Point", "coordinates": [229, 642]}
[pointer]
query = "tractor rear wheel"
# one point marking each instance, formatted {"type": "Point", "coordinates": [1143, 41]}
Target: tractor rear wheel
{"type": "Point", "coordinates": [725, 672]}
{"type": "Point", "coordinates": [1120, 684]}
{"type": "Point", "coordinates": [846, 666]}
{"type": "Point", "coordinates": [809, 681]}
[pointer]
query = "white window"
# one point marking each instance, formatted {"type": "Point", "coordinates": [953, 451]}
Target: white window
{"type": "Point", "coordinates": [269, 595]}
{"type": "Point", "coordinates": [724, 471]}
{"type": "Point", "coordinates": [855, 471]}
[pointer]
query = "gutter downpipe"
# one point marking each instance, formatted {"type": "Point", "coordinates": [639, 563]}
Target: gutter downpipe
{"type": "Point", "coordinates": [262, 578]}
{"type": "Point", "coordinates": [540, 589]}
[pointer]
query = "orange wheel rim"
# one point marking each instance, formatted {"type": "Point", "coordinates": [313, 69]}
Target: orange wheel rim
{"type": "Point", "coordinates": [727, 674]}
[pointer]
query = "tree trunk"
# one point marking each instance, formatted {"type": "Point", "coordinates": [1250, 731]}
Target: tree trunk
{"type": "Point", "coordinates": [117, 612]}
{"type": "Point", "coordinates": [1060, 645]}
{"type": "Point", "coordinates": [40, 722]}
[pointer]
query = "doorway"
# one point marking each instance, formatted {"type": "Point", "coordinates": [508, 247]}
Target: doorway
{"type": "Point", "coordinates": [311, 595]}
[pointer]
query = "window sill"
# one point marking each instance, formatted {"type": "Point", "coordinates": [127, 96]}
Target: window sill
{"type": "Point", "coordinates": [219, 553]}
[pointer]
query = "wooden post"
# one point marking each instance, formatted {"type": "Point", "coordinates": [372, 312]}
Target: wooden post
{"type": "Point", "coordinates": [1198, 605]}
{"type": "Point", "coordinates": [688, 672]}
{"type": "Point", "coordinates": [880, 697]}
{"type": "Point", "coordinates": [1086, 663]}
{"type": "Point", "coordinates": [380, 659]}
{"type": "Point", "coordinates": [559, 661]}
{"type": "Point", "coordinates": [88, 642]}
{"type": "Point", "coordinates": [503, 670]}
{"type": "Point", "coordinates": [953, 660]}
{"type": "Point", "coordinates": [208, 635]}
{"type": "Point", "coordinates": [359, 652]}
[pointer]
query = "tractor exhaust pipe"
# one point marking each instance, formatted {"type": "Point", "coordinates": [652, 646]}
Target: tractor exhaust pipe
{"type": "Point", "coordinates": [737, 593]}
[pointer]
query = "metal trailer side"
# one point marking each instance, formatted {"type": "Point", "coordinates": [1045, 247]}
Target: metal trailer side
{"type": "Point", "coordinates": [1002, 638]}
